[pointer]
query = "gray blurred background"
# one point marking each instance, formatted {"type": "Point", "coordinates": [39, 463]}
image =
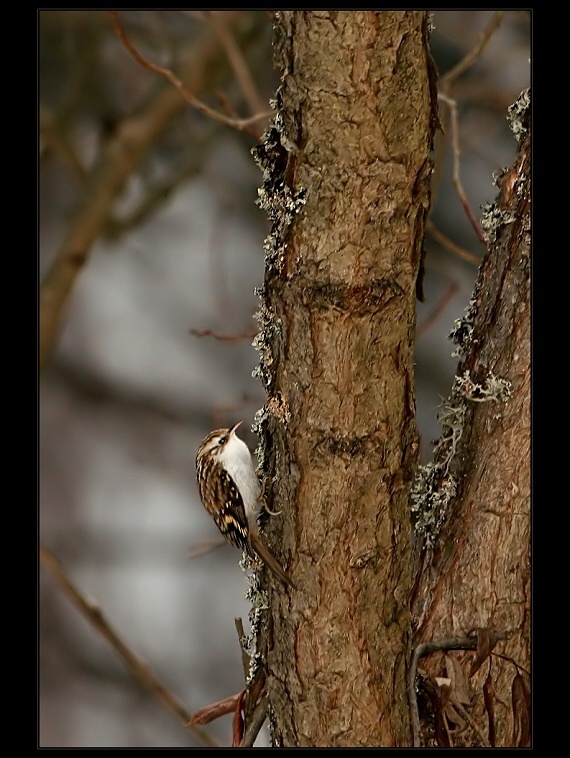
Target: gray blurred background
{"type": "Point", "coordinates": [129, 391]}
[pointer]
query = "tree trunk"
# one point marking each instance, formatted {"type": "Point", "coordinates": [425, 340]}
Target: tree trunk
{"type": "Point", "coordinates": [346, 182]}
{"type": "Point", "coordinates": [476, 573]}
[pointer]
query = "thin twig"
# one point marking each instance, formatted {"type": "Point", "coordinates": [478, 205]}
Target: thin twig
{"type": "Point", "coordinates": [213, 711]}
{"type": "Point", "coordinates": [439, 308]}
{"type": "Point", "coordinates": [445, 86]}
{"type": "Point", "coordinates": [241, 124]}
{"type": "Point", "coordinates": [238, 63]}
{"type": "Point", "coordinates": [458, 184]}
{"type": "Point", "coordinates": [237, 721]}
{"type": "Point", "coordinates": [141, 673]}
{"type": "Point", "coordinates": [223, 337]}
{"type": "Point", "coordinates": [518, 667]}
{"type": "Point", "coordinates": [244, 654]}
{"type": "Point", "coordinates": [444, 241]}
{"type": "Point", "coordinates": [475, 52]}
{"type": "Point", "coordinates": [425, 648]}
{"type": "Point", "coordinates": [121, 154]}
{"type": "Point", "coordinates": [254, 726]}
{"type": "Point", "coordinates": [205, 547]}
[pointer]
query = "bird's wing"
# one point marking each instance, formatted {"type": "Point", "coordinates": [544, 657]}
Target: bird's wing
{"type": "Point", "coordinates": [230, 517]}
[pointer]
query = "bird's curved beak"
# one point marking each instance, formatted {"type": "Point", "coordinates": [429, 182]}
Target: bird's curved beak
{"type": "Point", "coordinates": [234, 427]}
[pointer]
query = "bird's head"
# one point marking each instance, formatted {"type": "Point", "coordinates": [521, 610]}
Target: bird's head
{"type": "Point", "coordinates": [219, 442]}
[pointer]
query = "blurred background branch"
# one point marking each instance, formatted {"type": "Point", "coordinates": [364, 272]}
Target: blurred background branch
{"type": "Point", "coordinates": [140, 671]}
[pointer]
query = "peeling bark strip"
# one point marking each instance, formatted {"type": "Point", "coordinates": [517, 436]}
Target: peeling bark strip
{"type": "Point", "coordinates": [346, 184]}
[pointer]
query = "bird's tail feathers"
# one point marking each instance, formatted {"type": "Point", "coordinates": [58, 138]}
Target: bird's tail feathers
{"type": "Point", "coordinates": [270, 561]}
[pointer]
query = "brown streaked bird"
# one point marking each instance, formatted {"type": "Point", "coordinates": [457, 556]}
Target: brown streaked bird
{"type": "Point", "coordinates": [230, 491]}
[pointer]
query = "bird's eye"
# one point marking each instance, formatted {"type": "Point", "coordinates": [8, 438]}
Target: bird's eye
{"type": "Point", "coordinates": [222, 440]}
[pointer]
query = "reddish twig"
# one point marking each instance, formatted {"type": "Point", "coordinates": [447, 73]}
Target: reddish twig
{"type": "Point", "coordinates": [241, 124]}
{"type": "Point", "coordinates": [238, 63]}
{"type": "Point", "coordinates": [444, 96]}
{"type": "Point", "coordinates": [469, 59]}
{"type": "Point", "coordinates": [237, 721]}
{"type": "Point", "coordinates": [518, 667]}
{"type": "Point", "coordinates": [215, 710]}
{"type": "Point", "coordinates": [457, 183]}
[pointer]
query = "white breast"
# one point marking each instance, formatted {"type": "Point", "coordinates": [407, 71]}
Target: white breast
{"type": "Point", "coordinates": [237, 461]}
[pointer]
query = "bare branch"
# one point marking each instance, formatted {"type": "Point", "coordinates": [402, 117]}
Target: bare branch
{"type": "Point", "coordinates": [439, 308]}
{"type": "Point", "coordinates": [458, 184]}
{"type": "Point", "coordinates": [244, 654]}
{"type": "Point", "coordinates": [425, 648]}
{"type": "Point", "coordinates": [141, 673]}
{"type": "Point", "coordinates": [223, 337]}
{"type": "Point", "coordinates": [475, 52]}
{"type": "Point", "coordinates": [241, 124]}
{"type": "Point", "coordinates": [254, 726]}
{"type": "Point", "coordinates": [237, 721]}
{"type": "Point", "coordinates": [215, 710]}
{"type": "Point", "coordinates": [444, 241]}
{"type": "Point", "coordinates": [238, 63]}
{"type": "Point", "coordinates": [445, 85]}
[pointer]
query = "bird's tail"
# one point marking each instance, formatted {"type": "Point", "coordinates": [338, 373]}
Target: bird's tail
{"type": "Point", "coordinates": [270, 561]}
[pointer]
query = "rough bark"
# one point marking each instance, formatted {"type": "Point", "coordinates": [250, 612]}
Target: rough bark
{"type": "Point", "coordinates": [477, 572]}
{"type": "Point", "coordinates": [347, 172]}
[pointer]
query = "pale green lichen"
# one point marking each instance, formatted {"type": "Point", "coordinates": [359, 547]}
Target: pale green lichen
{"type": "Point", "coordinates": [462, 333]}
{"type": "Point", "coordinates": [259, 604]}
{"type": "Point", "coordinates": [259, 420]}
{"type": "Point", "coordinates": [494, 388]}
{"type": "Point", "coordinates": [431, 494]}
{"type": "Point", "coordinates": [282, 205]}
{"type": "Point", "coordinates": [498, 175]}
{"type": "Point", "coordinates": [281, 202]}
{"type": "Point", "coordinates": [269, 328]}
{"type": "Point", "coordinates": [435, 485]}
{"type": "Point", "coordinates": [493, 219]}
{"type": "Point", "coordinates": [517, 113]}
{"type": "Point", "coordinates": [452, 420]}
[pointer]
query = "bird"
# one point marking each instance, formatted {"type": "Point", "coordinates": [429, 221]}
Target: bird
{"type": "Point", "coordinates": [230, 491]}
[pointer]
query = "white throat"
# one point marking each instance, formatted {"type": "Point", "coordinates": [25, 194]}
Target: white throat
{"type": "Point", "coordinates": [237, 461]}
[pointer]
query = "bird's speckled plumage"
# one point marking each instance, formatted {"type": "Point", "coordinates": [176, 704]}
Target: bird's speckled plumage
{"type": "Point", "coordinates": [230, 492]}
{"type": "Point", "coordinates": [217, 487]}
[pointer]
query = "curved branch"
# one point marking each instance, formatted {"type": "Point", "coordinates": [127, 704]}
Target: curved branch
{"type": "Point", "coordinates": [425, 648]}
{"type": "Point", "coordinates": [241, 124]}
{"type": "Point", "coordinates": [120, 157]}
